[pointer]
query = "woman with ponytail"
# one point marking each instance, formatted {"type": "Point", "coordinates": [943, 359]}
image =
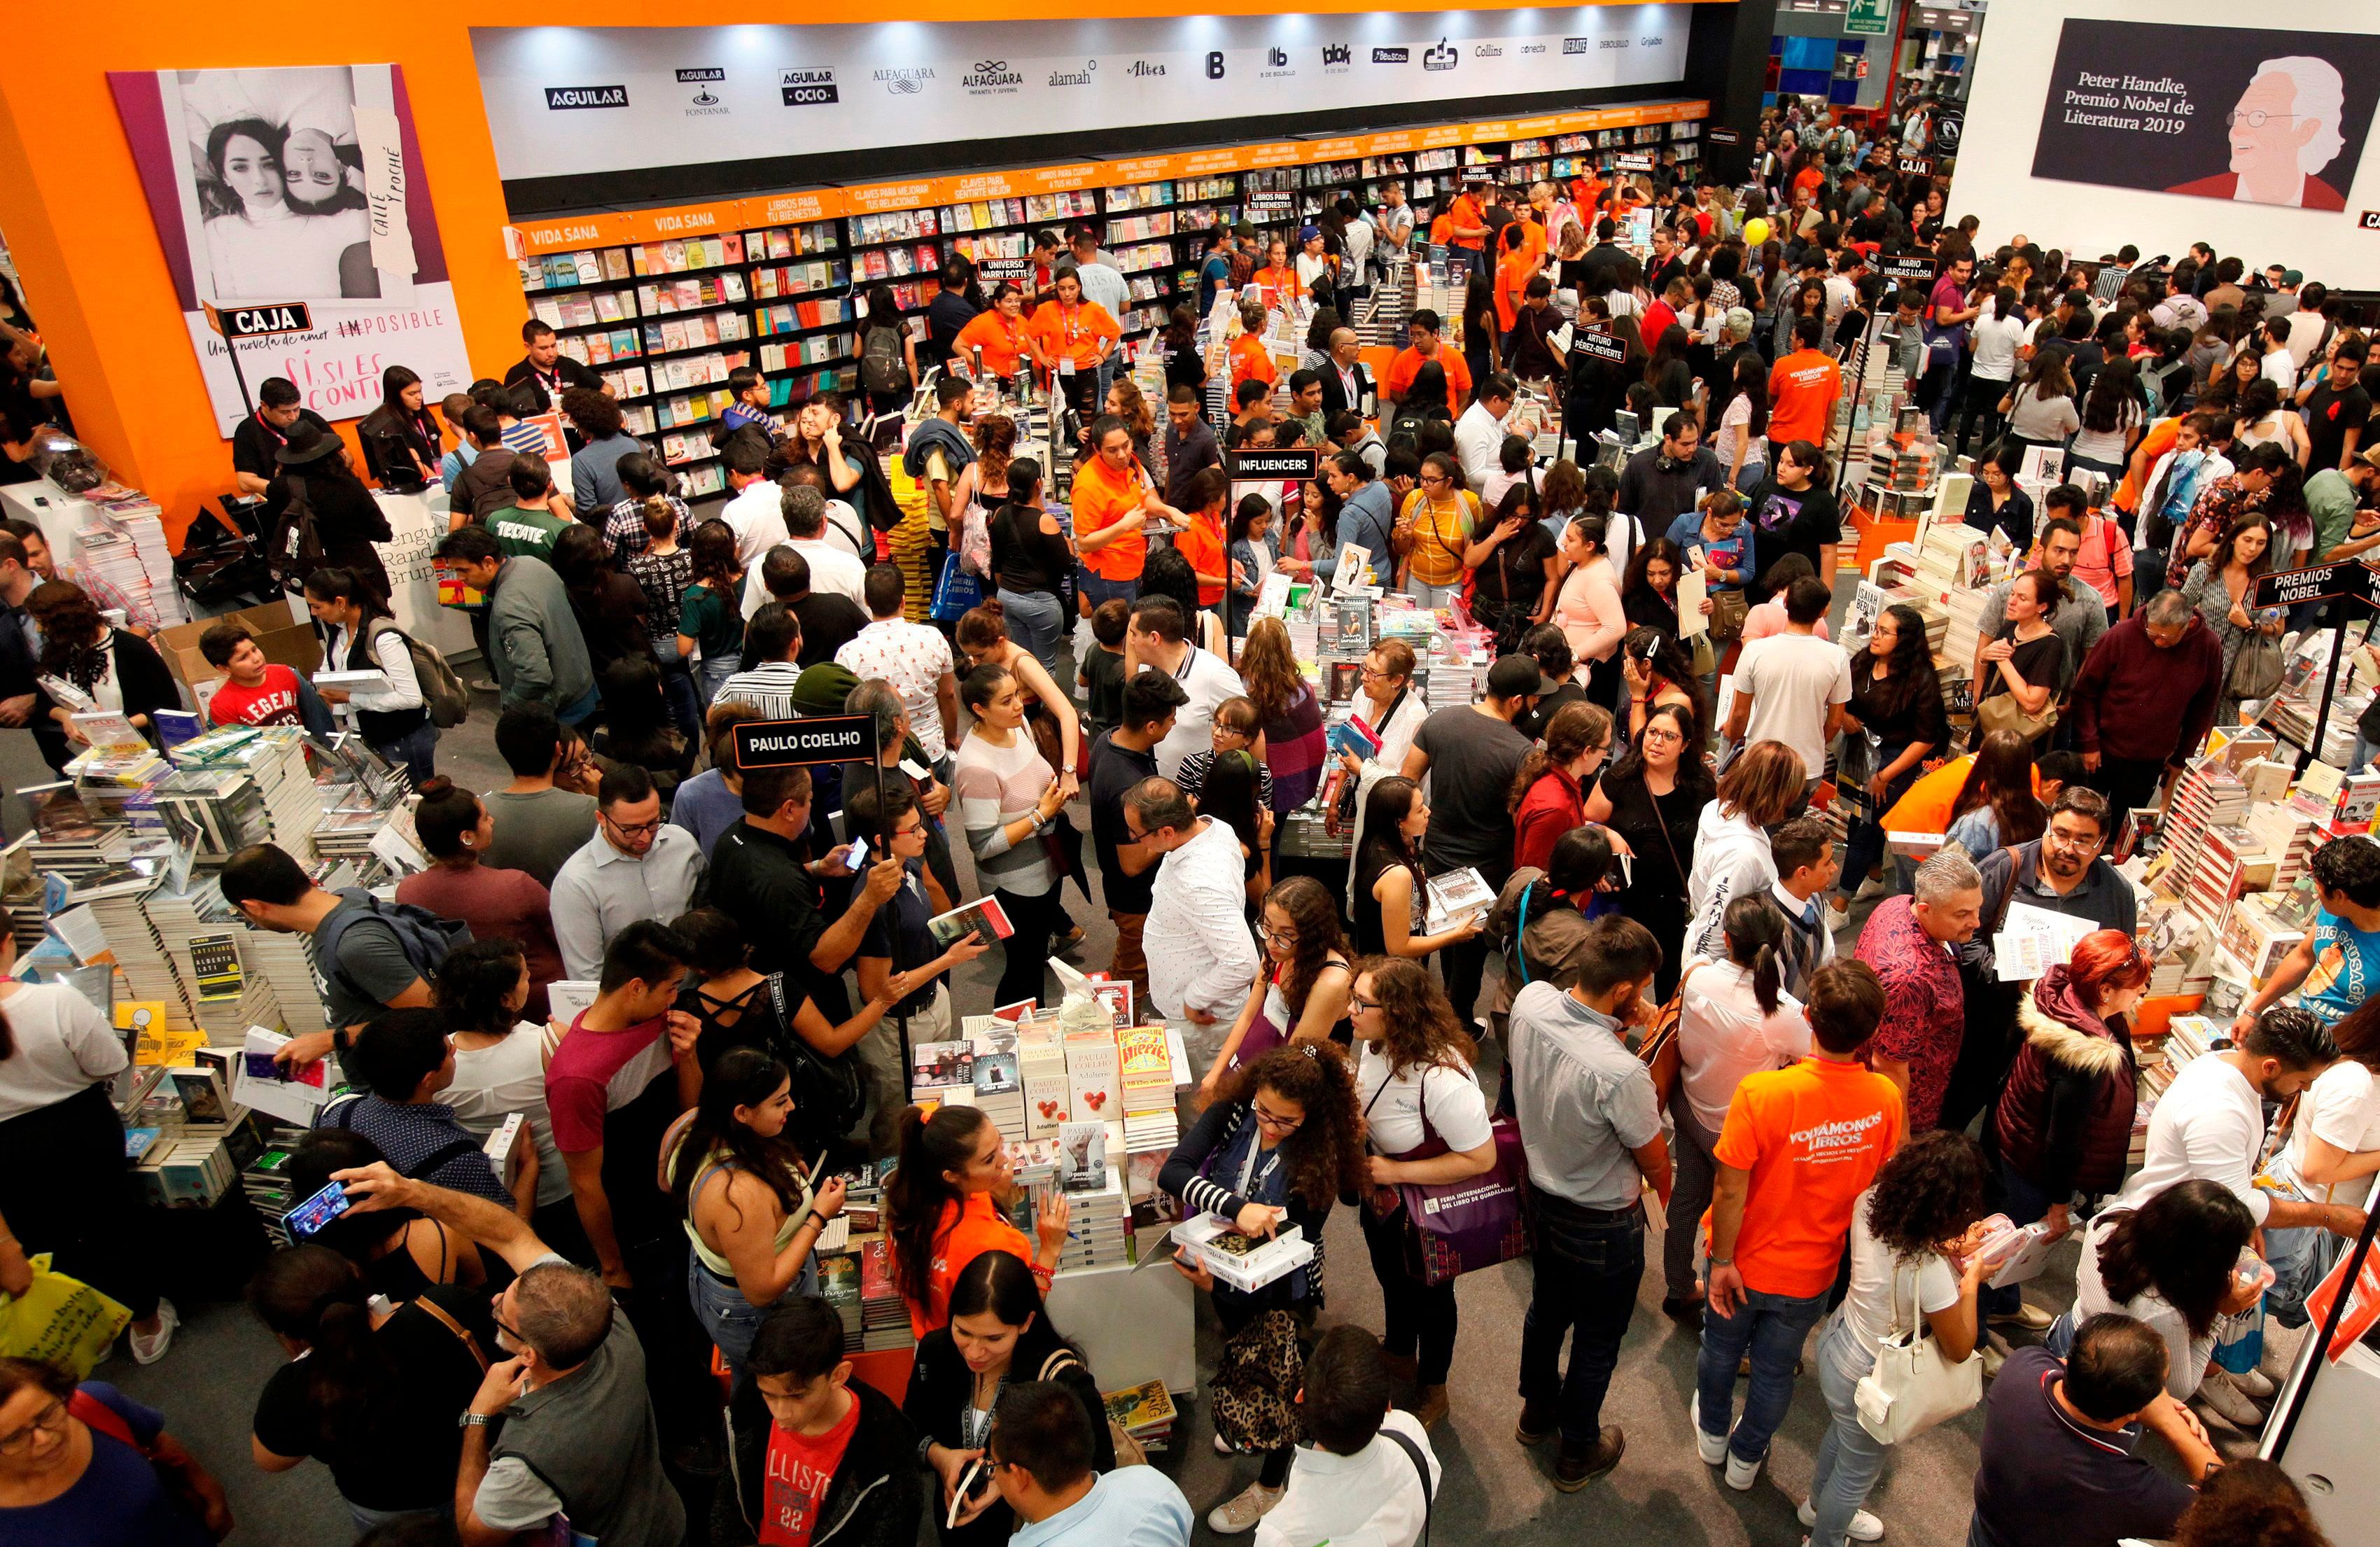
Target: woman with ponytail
{"type": "Point", "coordinates": [1734, 1018]}
{"type": "Point", "coordinates": [1541, 915]}
{"type": "Point", "coordinates": [755, 1238]}
{"type": "Point", "coordinates": [369, 1391]}
{"type": "Point", "coordinates": [940, 1209]}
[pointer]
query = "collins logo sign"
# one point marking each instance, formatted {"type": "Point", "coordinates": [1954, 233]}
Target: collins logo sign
{"type": "Point", "coordinates": [560, 97]}
{"type": "Point", "coordinates": [808, 88]}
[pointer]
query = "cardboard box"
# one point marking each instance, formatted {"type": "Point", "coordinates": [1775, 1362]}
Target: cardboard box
{"type": "Point", "coordinates": [281, 637]}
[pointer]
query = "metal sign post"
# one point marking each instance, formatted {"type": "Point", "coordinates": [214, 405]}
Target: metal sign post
{"type": "Point", "coordinates": [270, 321]}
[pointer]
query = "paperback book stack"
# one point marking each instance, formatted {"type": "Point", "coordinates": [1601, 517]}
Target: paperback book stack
{"type": "Point", "coordinates": [125, 544]}
{"type": "Point", "coordinates": [1094, 1083]}
{"type": "Point", "coordinates": [265, 1180]}
{"type": "Point", "coordinates": [2208, 795]}
{"type": "Point", "coordinates": [140, 950]}
{"type": "Point", "coordinates": [883, 1316]}
{"type": "Point", "coordinates": [1146, 1412]}
{"type": "Point", "coordinates": [1041, 1069]}
{"type": "Point", "coordinates": [69, 838]}
{"type": "Point", "coordinates": [275, 756]}
{"type": "Point", "coordinates": [999, 1094]}
{"type": "Point", "coordinates": [1150, 1124]}
{"type": "Point", "coordinates": [942, 1072]}
{"type": "Point", "coordinates": [1098, 1225]}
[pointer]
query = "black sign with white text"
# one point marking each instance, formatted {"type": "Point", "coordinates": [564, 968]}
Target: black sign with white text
{"type": "Point", "coordinates": [267, 321]}
{"type": "Point", "coordinates": [1720, 136]}
{"type": "Point", "coordinates": [2287, 588]}
{"type": "Point", "coordinates": [798, 743]}
{"type": "Point", "coordinates": [1297, 463]}
{"type": "Point", "coordinates": [1598, 345]}
{"type": "Point", "coordinates": [1920, 269]}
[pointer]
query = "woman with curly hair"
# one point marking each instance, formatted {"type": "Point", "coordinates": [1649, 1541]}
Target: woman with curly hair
{"type": "Point", "coordinates": [1908, 1229]}
{"type": "Point", "coordinates": [114, 667]}
{"type": "Point", "coordinates": [1288, 713]}
{"type": "Point", "coordinates": [1302, 994]}
{"type": "Point", "coordinates": [1897, 705]}
{"type": "Point", "coordinates": [710, 612]}
{"type": "Point", "coordinates": [1279, 1144]}
{"type": "Point", "coordinates": [2249, 1504]}
{"type": "Point", "coordinates": [1426, 1120]}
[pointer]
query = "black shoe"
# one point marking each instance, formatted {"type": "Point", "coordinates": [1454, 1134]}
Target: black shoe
{"type": "Point", "coordinates": [1685, 1313]}
{"type": "Point", "coordinates": [1576, 1465]}
{"type": "Point", "coordinates": [1537, 1420]}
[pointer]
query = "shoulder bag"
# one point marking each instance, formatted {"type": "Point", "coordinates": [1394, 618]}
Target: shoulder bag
{"type": "Point", "coordinates": [1452, 1229]}
{"type": "Point", "coordinates": [2001, 712]}
{"type": "Point", "coordinates": [1914, 1385]}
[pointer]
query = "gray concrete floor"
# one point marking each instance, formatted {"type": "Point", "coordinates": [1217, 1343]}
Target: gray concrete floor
{"type": "Point", "coordinates": [1494, 1490]}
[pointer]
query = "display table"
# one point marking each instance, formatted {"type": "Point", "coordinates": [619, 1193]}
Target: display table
{"type": "Point", "coordinates": [1132, 1325]}
{"type": "Point", "coordinates": [1875, 536]}
{"type": "Point", "coordinates": [417, 524]}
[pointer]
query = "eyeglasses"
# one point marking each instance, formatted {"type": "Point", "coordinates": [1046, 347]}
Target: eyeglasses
{"type": "Point", "coordinates": [50, 1420]}
{"type": "Point", "coordinates": [1433, 478]}
{"type": "Point", "coordinates": [1277, 937]}
{"type": "Point", "coordinates": [634, 829]}
{"type": "Point", "coordinates": [1357, 1003]}
{"type": "Point", "coordinates": [1277, 1125]}
{"type": "Point", "coordinates": [2255, 119]}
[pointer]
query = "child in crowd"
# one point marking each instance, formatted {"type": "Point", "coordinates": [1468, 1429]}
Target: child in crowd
{"type": "Point", "coordinates": [1235, 730]}
{"type": "Point", "coordinates": [1101, 677]}
{"type": "Point", "coordinates": [259, 693]}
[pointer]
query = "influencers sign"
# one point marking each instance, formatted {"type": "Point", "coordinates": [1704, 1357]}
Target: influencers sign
{"type": "Point", "coordinates": [921, 84]}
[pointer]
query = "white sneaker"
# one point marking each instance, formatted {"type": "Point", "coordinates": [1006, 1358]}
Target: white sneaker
{"type": "Point", "coordinates": [1865, 1526]}
{"type": "Point", "coordinates": [2253, 1382]}
{"type": "Point", "coordinates": [1711, 1447]}
{"type": "Point", "coordinates": [1241, 1512]}
{"type": "Point", "coordinates": [149, 1348]}
{"type": "Point", "coordinates": [1742, 1474]}
{"type": "Point", "coordinates": [2217, 1393]}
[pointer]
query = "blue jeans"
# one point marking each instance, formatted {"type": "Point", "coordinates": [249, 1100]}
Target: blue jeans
{"type": "Point", "coordinates": [1096, 590]}
{"type": "Point", "coordinates": [1771, 1329]}
{"type": "Point", "coordinates": [415, 752]}
{"type": "Point", "coordinates": [728, 1319]}
{"type": "Point", "coordinates": [1849, 1458]}
{"type": "Point", "coordinates": [677, 686]}
{"type": "Point", "coordinates": [2301, 1257]}
{"type": "Point", "coordinates": [2023, 1204]}
{"type": "Point", "coordinates": [1582, 1281]}
{"type": "Point", "coordinates": [367, 1518]}
{"type": "Point", "coordinates": [1039, 623]}
{"type": "Point", "coordinates": [709, 677]}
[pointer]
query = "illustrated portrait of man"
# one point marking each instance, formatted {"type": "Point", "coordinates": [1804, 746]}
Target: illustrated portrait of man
{"type": "Point", "coordinates": [2284, 131]}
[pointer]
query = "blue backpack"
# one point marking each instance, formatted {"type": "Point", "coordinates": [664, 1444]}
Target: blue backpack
{"type": "Point", "coordinates": [423, 936]}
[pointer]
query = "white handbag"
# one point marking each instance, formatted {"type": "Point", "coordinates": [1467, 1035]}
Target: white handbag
{"type": "Point", "coordinates": [1912, 1386]}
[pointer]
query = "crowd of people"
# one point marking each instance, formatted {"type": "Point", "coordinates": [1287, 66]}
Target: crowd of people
{"type": "Point", "coordinates": [622, 1318]}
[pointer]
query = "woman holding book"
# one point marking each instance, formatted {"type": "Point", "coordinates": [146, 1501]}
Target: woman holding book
{"type": "Point", "coordinates": [1282, 1142]}
{"type": "Point", "coordinates": [65, 1187]}
{"type": "Point", "coordinates": [1389, 900]}
{"type": "Point", "coordinates": [943, 1209]}
{"type": "Point", "coordinates": [1652, 799]}
{"type": "Point", "coordinates": [752, 1216]}
{"type": "Point", "coordinates": [998, 1334]}
{"type": "Point", "coordinates": [107, 669]}
{"type": "Point", "coordinates": [1302, 994]}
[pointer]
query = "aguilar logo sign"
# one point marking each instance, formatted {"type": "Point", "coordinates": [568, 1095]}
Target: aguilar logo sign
{"type": "Point", "coordinates": [1392, 55]}
{"type": "Point", "coordinates": [809, 88]}
{"type": "Point", "coordinates": [560, 97]}
{"type": "Point", "coordinates": [990, 77]}
{"type": "Point", "coordinates": [706, 105]}
{"type": "Point", "coordinates": [908, 81]}
{"type": "Point", "coordinates": [1440, 57]}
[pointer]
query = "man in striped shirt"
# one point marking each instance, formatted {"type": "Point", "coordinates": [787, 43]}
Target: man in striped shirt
{"type": "Point", "coordinates": [770, 641]}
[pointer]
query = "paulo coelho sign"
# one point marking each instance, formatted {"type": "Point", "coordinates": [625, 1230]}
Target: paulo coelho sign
{"type": "Point", "coordinates": [798, 743]}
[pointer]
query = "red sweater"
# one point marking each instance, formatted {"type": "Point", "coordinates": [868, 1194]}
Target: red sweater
{"type": "Point", "coordinates": [2125, 694]}
{"type": "Point", "coordinates": [1551, 808]}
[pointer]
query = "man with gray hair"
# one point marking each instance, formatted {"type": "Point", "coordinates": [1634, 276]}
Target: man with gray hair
{"type": "Point", "coordinates": [574, 1434]}
{"type": "Point", "coordinates": [2144, 701]}
{"type": "Point", "coordinates": [1910, 942]}
{"type": "Point", "coordinates": [832, 568]}
{"type": "Point", "coordinates": [1201, 959]}
{"type": "Point", "coordinates": [2284, 128]}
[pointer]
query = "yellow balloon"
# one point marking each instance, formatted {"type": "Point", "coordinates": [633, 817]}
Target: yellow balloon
{"type": "Point", "coordinates": [1756, 231]}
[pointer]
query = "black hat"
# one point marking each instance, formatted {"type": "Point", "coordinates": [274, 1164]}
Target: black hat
{"type": "Point", "coordinates": [1518, 677]}
{"type": "Point", "coordinates": [307, 442]}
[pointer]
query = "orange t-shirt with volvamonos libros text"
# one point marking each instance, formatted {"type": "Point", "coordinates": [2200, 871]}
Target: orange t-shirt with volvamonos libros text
{"type": "Point", "coordinates": [1202, 543]}
{"type": "Point", "coordinates": [1812, 1136]}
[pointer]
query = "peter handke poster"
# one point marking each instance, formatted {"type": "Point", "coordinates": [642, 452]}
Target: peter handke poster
{"type": "Point", "coordinates": [2246, 114]}
{"type": "Point", "coordinates": [297, 184]}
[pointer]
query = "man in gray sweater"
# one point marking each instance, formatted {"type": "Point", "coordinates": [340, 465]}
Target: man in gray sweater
{"type": "Point", "coordinates": [534, 640]}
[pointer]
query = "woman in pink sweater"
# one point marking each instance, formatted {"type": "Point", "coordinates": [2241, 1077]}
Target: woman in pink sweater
{"type": "Point", "coordinates": [1588, 609]}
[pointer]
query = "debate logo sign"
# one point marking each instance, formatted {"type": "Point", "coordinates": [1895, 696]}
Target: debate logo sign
{"type": "Point", "coordinates": [2231, 113]}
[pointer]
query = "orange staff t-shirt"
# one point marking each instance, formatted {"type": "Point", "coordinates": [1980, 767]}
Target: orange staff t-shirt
{"type": "Point", "coordinates": [1812, 1136]}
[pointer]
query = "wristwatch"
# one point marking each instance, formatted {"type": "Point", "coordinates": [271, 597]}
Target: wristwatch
{"type": "Point", "coordinates": [475, 1420]}
{"type": "Point", "coordinates": [1721, 1262]}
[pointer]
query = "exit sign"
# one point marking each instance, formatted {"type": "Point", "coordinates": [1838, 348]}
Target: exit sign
{"type": "Point", "coordinates": [1871, 18]}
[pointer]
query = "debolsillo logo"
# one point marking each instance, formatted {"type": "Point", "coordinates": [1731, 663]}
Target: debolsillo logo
{"type": "Point", "coordinates": [557, 98]}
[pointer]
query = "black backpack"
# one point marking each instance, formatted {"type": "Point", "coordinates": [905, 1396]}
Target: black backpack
{"type": "Point", "coordinates": [423, 936]}
{"type": "Point", "coordinates": [881, 368]}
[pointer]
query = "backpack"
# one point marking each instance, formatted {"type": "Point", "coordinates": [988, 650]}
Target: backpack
{"type": "Point", "coordinates": [295, 549]}
{"type": "Point", "coordinates": [830, 1092]}
{"type": "Point", "coordinates": [882, 369]}
{"type": "Point", "coordinates": [423, 936]}
{"type": "Point", "coordinates": [444, 697]}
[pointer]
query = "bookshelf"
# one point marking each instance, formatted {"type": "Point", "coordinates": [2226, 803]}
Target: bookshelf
{"type": "Point", "coordinates": [663, 304]}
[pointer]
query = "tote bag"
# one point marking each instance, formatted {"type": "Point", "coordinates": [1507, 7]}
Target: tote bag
{"type": "Point", "coordinates": [1914, 1385]}
{"type": "Point", "coordinates": [1452, 1229]}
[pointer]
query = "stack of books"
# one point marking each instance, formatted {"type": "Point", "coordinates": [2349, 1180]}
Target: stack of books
{"type": "Point", "coordinates": [1146, 1412]}
{"type": "Point", "coordinates": [1097, 1233]}
{"type": "Point", "coordinates": [1000, 1094]}
{"type": "Point", "coordinates": [140, 950]}
{"type": "Point", "coordinates": [839, 1286]}
{"type": "Point", "coordinates": [1455, 896]}
{"type": "Point", "coordinates": [883, 1315]}
{"type": "Point", "coordinates": [1150, 1124]}
{"type": "Point", "coordinates": [2257, 939]}
{"type": "Point", "coordinates": [1041, 1068]}
{"type": "Point", "coordinates": [1246, 1263]}
{"type": "Point", "coordinates": [275, 756]}
{"type": "Point", "coordinates": [1094, 1081]}
{"type": "Point", "coordinates": [942, 1072]}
